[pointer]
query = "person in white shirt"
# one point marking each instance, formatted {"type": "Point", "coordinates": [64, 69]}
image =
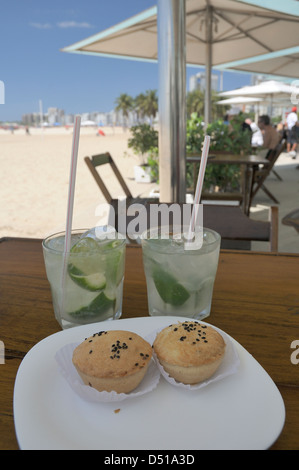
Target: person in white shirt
{"type": "Point", "coordinates": [292, 132]}
{"type": "Point", "coordinates": [257, 136]}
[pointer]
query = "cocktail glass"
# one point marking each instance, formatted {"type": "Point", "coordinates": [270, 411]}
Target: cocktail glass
{"type": "Point", "coordinates": [180, 281]}
{"type": "Point", "coordinates": [87, 282]}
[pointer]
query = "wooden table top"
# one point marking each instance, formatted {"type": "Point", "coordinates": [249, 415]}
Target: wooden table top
{"type": "Point", "coordinates": [256, 301]}
{"type": "Point", "coordinates": [230, 159]}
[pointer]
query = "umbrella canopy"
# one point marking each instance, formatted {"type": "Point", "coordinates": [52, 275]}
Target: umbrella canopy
{"type": "Point", "coordinates": [264, 89]}
{"type": "Point", "coordinates": [219, 33]}
{"type": "Point", "coordinates": [88, 123]}
{"type": "Point", "coordinates": [242, 32]}
{"type": "Point", "coordinates": [240, 100]}
{"type": "Point", "coordinates": [270, 91]}
{"type": "Point", "coordinates": [216, 33]}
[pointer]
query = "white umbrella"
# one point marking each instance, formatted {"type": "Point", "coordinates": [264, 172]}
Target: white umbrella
{"type": "Point", "coordinates": [209, 33]}
{"type": "Point", "coordinates": [265, 89]}
{"type": "Point", "coordinates": [88, 123]}
{"type": "Point", "coordinates": [240, 100]}
{"type": "Point", "coordinates": [272, 91]}
{"type": "Point", "coordinates": [219, 33]}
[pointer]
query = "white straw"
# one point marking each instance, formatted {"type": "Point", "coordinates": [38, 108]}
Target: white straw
{"type": "Point", "coordinates": [70, 204]}
{"type": "Point", "coordinates": [197, 196]}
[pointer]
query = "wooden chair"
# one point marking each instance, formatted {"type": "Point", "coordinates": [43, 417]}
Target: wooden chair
{"type": "Point", "coordinates": [237, 230]}
{"type": "Point", "coordinates": [292, 219]}
{"type": "Point", "coordinates": [234, 226]}
{"type": "Point", "coordinates": [261, 174]}
{"type": "Point", "coordinates": [103, 159]}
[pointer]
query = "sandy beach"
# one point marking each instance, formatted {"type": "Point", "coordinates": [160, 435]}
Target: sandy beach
{"type": "Point", "coordinates": [35, 173]}
{"type": "Point", "coordinates": [35, 178]}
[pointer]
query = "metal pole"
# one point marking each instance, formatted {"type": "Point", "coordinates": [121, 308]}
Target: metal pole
{"type": "Point", "coordinates": [209, 39]}
{"type": "Point", "coordinates": [172, 99]}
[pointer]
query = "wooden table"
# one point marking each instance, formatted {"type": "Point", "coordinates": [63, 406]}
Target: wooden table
{"type": "Point", "coordinates": [256, 301]}
{"type": "Point", "coordinates": [248, 164]}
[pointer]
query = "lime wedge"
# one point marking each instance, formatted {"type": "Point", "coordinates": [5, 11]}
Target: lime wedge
{"type": "Point", "coordinates": [85, 257]}
{"type": "Point", "coordinates": [98, 307]}
{"type": "Point", "coordinates": [85, 245]}
{"type": "Point", "coordinates": [170, 290]}
{"type": "Point", "coordinates": [92, 282]}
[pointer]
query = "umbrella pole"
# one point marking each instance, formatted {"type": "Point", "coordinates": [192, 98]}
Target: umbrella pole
{"type": "Point", "coordinates": [172, 99]}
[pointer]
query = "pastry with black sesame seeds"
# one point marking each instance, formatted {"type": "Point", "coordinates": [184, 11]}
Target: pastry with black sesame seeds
{"type": "Point", "coordinates": [114, 360]}
{"type": "Point", "coordinates": [189, 351]}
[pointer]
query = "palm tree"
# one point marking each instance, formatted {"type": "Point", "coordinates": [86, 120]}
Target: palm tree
{"type": "Point", "coordinates": [124, 104]}
{"type": "Point", "coordinates": [195, 103]}
{"type": "Point", "coordinates": [150, 104]}
{"type": "Point", "coordinates": [138, 106]}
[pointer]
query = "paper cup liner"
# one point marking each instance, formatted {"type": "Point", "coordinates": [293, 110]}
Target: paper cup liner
{"type": "Point", "coordinates": [229, 365]}
{"type": "Point", "coordinates": [64, 359]}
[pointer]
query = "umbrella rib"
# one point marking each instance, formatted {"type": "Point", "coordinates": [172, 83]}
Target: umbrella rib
{"type": "Point", "coordinates": [241, 30]}
{"type": "Point", "coordinates": [291, 59]}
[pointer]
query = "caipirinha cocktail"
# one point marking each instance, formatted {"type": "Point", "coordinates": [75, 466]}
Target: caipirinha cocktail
{"type": "Point", "coordinates": [92, 287]}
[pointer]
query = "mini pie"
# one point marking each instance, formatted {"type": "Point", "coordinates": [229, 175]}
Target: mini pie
{"type": "Point", "coordinates": [113, 360]}
{"type": "Point", "coordinates": [189, 351]}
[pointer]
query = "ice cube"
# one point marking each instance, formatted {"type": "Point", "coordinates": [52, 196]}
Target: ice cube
{"type": "Point", "coordinates": [101, 233]}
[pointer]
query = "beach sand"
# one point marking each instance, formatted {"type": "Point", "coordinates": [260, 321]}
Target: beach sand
{"type": "Point", "coordinates": [35, 172]}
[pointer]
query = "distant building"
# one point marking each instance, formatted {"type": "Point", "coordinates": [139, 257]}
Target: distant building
{"type": "Point", "coordinates": [31, 119]}
{"type": "Point", "coordinates": [55, 116]}
{"type": "Point", "coordinates": [198, 82]}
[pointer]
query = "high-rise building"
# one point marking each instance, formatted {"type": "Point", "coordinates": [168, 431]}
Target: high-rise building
{"type": "Point", "coordinates": [198, 82]}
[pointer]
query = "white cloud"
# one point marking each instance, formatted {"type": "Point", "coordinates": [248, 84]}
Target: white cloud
{"type": "Point", "coordinates": [73, 24]}
{"type": "Point", "coordinates": [41, 25]}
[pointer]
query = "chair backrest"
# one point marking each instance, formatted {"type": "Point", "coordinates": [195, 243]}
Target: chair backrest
{"type": "Point", "coordinates": [102, 159]}
{"type": "Point", "coordinates": [262, 174]}
{"type": "Point", "coordinates": [232, 224]}
{"type": "Point", "coordinates": [274, 154]}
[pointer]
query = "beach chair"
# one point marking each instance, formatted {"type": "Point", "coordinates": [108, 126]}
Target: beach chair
{"type": "Point", "coordinates": [261, 174]}
{"type": "Point", "coordinates": [96, 161]}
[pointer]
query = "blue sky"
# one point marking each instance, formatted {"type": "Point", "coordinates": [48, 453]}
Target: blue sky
{"type": "Point", "coordinates": [33, 68]}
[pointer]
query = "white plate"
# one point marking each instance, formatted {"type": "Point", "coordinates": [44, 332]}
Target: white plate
{"type": "Point", "coordinates": [243, 411]}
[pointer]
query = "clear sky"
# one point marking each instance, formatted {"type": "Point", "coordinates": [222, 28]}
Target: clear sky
{"type": "Point", "coordinates": [33, 68]}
